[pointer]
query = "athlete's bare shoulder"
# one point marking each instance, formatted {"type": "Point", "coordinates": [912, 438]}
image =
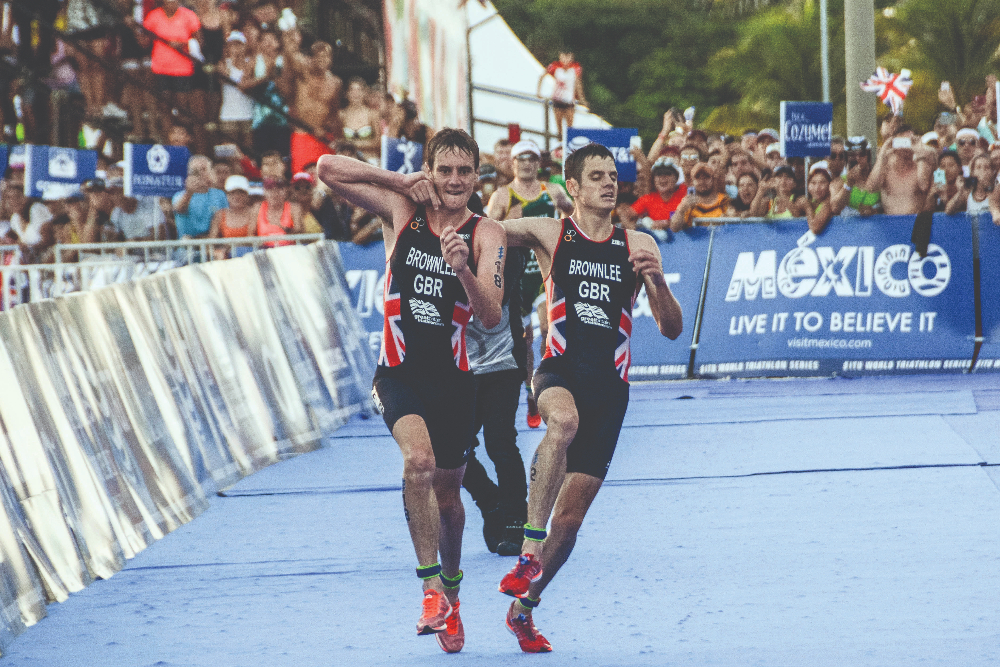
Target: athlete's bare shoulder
{"type": "Point", "coordinates": [637, 240]}
{"type": "Point", "coordinates": [539, 234]}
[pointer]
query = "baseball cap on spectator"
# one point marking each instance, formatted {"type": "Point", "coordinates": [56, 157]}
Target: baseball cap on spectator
{"type": "Point", "coordinates": [58, 191]}
{"type": "Point", "coordinates": [773, 148]}
{"type": "Point", "coordinates": [823, 167]}
{"type": "Point", "coordinates": [665, 165]}
{"type": "Point", "coordinates": [856, 144]}
{"type": "Point", "coordinates": [237, 182]}
{"type": "Point", "coordinates": [302, 176]}
{"type": "Point", "coordinates": [237, 36]}
{"type": "Point", "coordinates": [784, 170]}
{"type": "Point", "coordinates": [769, 134]}
{"type": "Point", "coordinates": [525, 146]}
{"type": "Point", "coordinates": [966, 132]}
{"type": "Point", "coordinates": [929, 137]}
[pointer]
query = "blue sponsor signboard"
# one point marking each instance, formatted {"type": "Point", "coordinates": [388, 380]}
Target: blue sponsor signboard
{"type": "Point", "coordinates": [618, 140]}
{"type": "Point", "coordinates": [364, 269]}
{"type": "Point", "coordinates": [402, 156]}
{"type": "Point", "coordinates": [989, 289]}
{"type": "Point", "coordinates": [152, 170]}
{"type": "Point", "coordinates": [56, 169]}
{"type": "Point", "coordinates": [806, 129]}
{"type": "Point", "coordinates": [655, 357]}
{"type": "Point", "coordinates": [856, 300]}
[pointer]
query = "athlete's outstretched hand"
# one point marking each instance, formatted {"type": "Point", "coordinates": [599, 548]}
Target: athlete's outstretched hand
{"type": "Point", "coordinates": [646, 264]}
{"type": "Point", "coordinates": [454, 249]}
{"type": "Point", "coordinates": [421, 189]}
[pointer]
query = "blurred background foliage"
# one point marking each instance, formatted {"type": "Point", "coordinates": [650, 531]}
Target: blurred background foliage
{"type": "Point", "coordinates": [735, 60]}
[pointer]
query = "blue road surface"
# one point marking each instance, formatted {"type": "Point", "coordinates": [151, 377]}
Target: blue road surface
{"type": "Point", "coordinates": [768, 523]}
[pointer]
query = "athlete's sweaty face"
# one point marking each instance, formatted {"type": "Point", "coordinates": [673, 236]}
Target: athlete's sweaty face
{"type": "Point", "coordinates": [454, 176]}
{"type": "Point", "coordinates": [598, 189]}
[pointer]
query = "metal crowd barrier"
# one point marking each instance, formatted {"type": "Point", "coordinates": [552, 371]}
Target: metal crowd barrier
{"type": "Point", "coordinates": [186, 251]}
{"type": "Point", "coordinates": [21, 283]}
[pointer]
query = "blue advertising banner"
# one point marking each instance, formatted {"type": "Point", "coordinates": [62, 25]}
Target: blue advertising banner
{"type": "Point", "coordinates": [152, 170]}
{"type": "Point", "coordinates": [4, 158]}
{"type": "Point", "coordinates": [402, 156]}
{"type": "Point", "coordinates": [806, 129]}
{"type": "Point", "coordinates": [989, 287]}
{"type": "Point", "coordinates": [655, 357]}
{"type": "Point", "coordinates": [857, 300]}
{"type": "Point", "coordinates": [364, 269]}
{"type": "Point", "coordinates": [617, 140]}
{"type": "Point", "coordinates": [58, 169]}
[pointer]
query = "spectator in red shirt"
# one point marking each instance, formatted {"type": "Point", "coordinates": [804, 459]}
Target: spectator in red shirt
{"type": "Point", "coordinates": [174, 27]}
{"type": "Point", "coordinates": [568, 91]}
{"type": "Point", "coordinates": [660, 204]}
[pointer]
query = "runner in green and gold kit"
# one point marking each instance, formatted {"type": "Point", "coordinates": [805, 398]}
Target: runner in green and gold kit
{"type": "Point", "coordinates": [528, 197]}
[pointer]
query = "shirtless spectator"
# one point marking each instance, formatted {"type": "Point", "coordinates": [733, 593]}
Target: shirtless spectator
{"type": "Point", "coordinates": [902, 173]}
{"type": "Point", "coordinates": [315, 95]}
{"type": "Point", "coordinates": [360, 122]}
{"type": "Point", "coordinates": [705, 202]}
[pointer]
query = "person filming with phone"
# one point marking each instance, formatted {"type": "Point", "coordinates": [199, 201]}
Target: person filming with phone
{"type": "Point", "coordinates": [903, 173]}
{"type": "Point", "coordinates": [975, 191]}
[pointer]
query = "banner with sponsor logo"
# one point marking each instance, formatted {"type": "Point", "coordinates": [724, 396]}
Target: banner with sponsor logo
{"type": "Point", "coordinates": [856, 300]}
{"type": "Point", "coordinates": [402, 156]}
{"type": "Point", "coordinates": [989, 291]}
{"type": "Point", "coordinates": [58, 170]}
{"type": "Point", "coordinates": [655, 357]}
{"type": "Point", "coordinates": [806, 129]}
{"type": "Point", "coordinates": [617, 140]}
{"type": "Point", "coordinates": [152, 170]}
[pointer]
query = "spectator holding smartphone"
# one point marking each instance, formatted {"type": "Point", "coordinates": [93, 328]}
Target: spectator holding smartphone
{"type": "Point", "coordinates": [197, 203]}
{"type": "Point", "coordinates": [903, 173]}
{"type": "Point", "coordinates": [967, 144]}
{"type": "Point", "coordinates": [859, 167]}
{"type": "Point", "coordinates": [945, 181]}
{"type": "Point", "coordinates": [976, 190]}
{"type": "Point", "coordinates": [776, 196]}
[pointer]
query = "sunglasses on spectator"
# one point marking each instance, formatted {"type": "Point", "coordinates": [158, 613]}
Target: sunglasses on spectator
{"type": "Point", "coordinates": [967, 142]}
{"type": "Point", "coordinates": [838, 154]}
{"type": "Point", "coordinates": [689, 158]}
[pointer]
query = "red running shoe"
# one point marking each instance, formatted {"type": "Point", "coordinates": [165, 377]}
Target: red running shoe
{"type": "Point", "coordinates": [534, 420]}
{"type": "Point", "coordinates": [435, 615]}
{"type": "Point", "coordinates": [453, 638]}
{"type": "Point", "coordinates": [517, 581]}
{"type": "Point", "coordinates": [528, 636]}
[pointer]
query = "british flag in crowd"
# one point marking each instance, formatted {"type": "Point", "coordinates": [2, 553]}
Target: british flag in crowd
{"type": "Point", "coordinates": [623, 355]}
{"type": "Point", "coordinates": [890, 88]}
{"type": "Point", "coordinates": [460, 320]}
{"type": "Point", "coordinates": [556, 343]}
{"type": "Point", "coordinates": [393, 346]}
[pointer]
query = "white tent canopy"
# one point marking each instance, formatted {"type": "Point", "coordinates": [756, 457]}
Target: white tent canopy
{"type": "Point", "coordinates": [504, 83]}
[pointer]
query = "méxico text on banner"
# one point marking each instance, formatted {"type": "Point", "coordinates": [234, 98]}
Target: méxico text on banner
{"type": "Point", "coordinates": [856, 300]}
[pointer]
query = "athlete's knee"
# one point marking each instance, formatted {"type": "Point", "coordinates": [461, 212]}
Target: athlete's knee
{"type": "Point", "coordinates": [562, 424]}
{"type": "Point", "coordinates": [419, 464]}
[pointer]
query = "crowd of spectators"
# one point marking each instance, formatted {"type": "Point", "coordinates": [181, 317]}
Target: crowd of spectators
{"type": "Point", "coordinates": [257, 103]}
{"type": "Point", "coordinates": [251, 95]}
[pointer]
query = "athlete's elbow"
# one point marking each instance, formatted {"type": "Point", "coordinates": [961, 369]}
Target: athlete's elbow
{"type": "Point", "coordinates": [490, 319]}
{"type": "Point", "coordinates": [331, 168]}
{"type": "Point", "coordinates": [671, 327]}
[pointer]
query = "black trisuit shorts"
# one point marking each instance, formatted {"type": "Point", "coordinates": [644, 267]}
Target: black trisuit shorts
{"type": "Point", "coordinates": [446, 401]}
{"type": "Point", "coordinates": [600, 404]}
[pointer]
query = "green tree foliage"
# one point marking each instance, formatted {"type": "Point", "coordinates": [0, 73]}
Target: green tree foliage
{"type": "Point", "coordinates": [736, 60]}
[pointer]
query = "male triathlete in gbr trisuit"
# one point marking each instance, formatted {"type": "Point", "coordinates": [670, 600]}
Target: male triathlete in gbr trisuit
{"type": "Point", "coordinates": [444, 264]}
{"type": "Point", "coordinates": [592, 273]}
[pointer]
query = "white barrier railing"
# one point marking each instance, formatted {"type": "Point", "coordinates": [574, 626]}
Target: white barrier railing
{"type": "Point", "coordinates": [185, 251]}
